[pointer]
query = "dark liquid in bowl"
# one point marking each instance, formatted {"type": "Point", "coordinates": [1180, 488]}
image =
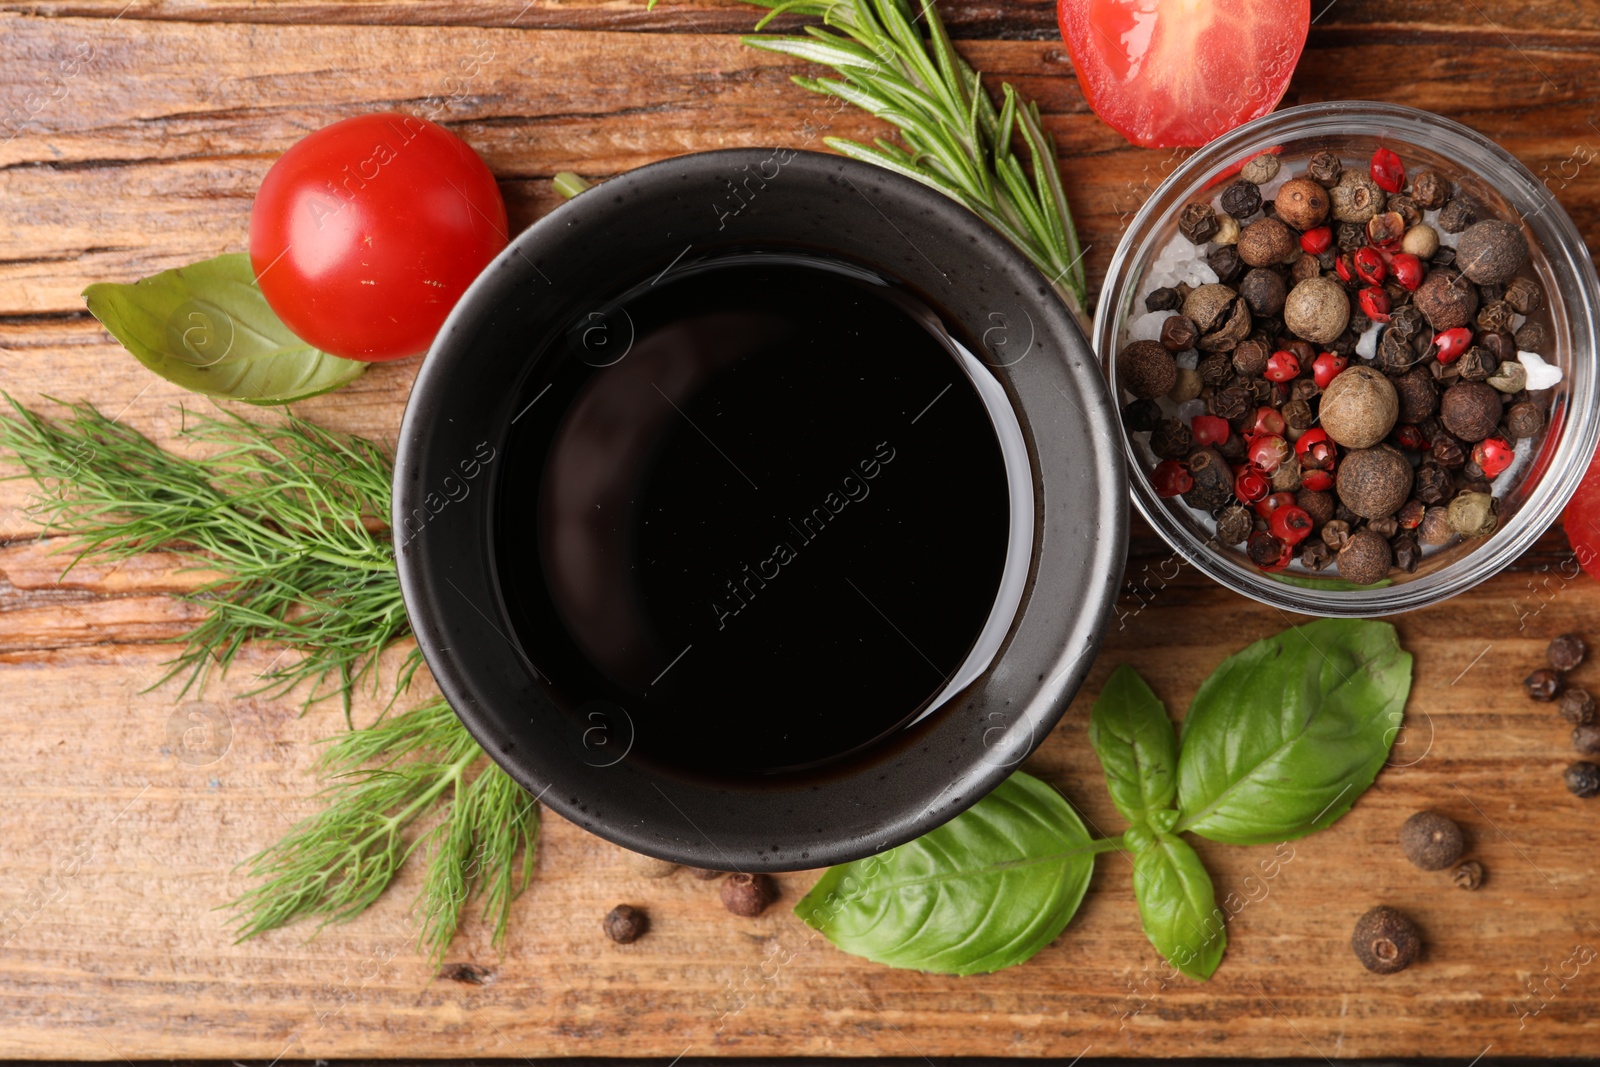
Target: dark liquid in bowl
{"type": "Point", "coordinates": [752, 518]}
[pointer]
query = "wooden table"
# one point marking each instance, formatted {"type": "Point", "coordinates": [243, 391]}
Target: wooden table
{"type": "Point", "coordinates": [143, 153]}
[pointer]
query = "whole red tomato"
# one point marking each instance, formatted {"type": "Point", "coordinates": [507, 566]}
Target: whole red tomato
{"type": "Point", "coordinates": [365, 233]}
{"type": "Point", "coordinates": [1165, 73]}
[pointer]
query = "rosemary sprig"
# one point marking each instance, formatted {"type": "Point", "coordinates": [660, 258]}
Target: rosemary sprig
{"type": "Point", "coordinates": [956, 140]}
{"type": "Point", "coordinates": [334, 864]}
{"type": "Point", "coordinates": [294, 517]}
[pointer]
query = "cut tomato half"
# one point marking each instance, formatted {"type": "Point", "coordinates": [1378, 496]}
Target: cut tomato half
{"type": "Point", "coordinates": [1170, 73]}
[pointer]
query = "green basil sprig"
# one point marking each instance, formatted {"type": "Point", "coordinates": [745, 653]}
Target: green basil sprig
{"type": "Point", "coordinates": [1279, 742]}
{"type": "Point", "coordinates": [207, 328]}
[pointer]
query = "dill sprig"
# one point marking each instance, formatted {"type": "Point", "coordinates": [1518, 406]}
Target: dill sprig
{"type": "Point", "coordinates": [955, 139]}
{"type": "Point", "coordinates": [336, 863]}
{"type": "Point", "coordinates": [295, 517]}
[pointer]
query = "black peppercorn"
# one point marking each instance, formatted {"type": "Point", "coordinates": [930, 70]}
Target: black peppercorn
{"type": "Point", "coordinates": [1164, 299]}
{"type": "Point", "coordinates": [1583, 779]}
{"type": "Point", "coordinates": [1385, 941]}
{"type": "Point", "coordinates": [1530, 337]}
{"type": "Point", "coordinates": [1493, 315]}
{"type": "Point", "coordinates": [1467, 876]}
{"type": "Point", "coordinates": [1407, 555]}
{"type": "Point", "coordinates": [1317, 504]}
{"type": "Point", "coordinates": [1231, 402]}
{"type": "Point", "coordinates": [1387, 526]}
{"type": "Point", "coordinates": [1234, 525]}
{"type": "Point", "coordinates": [626, 924]}
{"type": "Point", "coordinates": [1171, 439]}
{"type": "Point", "coordinates": [1315, 555]}
{"type": "Point", "coordinates": [1524, 420]}
{"type": "Point", "coordinates": [1213, 480]}
{"type": "Point", "coordinates": [1178, 333]}
{"type": "Point", "coordinates": [1141, 416]}
{"type": "Point", "coordinates": [1567, 652]}
{"type": "Point", "coordinates": [1435, 528]}
{"type": "Point", "coordinates": [1418, 395]}
{"type": "Point", "coordinates": [1577, 706]}
{"type": "Point", "coordinates": [1406, 208]}
{"type": "Point", "coordinates": [1430, 189]}
{"type": "Point", "coordinates": [1349, 237]}
{"type": "Point", "coordinates": [1198, 222]}
{"type": "Point", "coordinates": [1430, 840]}
{"type": "Point", "coordinates": [1250, 358]}
{"type": "Point", "coordinates": [1524, 296]}
{"type": "Point", "coordinates": [1544, 684]}
{"type": "Point", "coordinates": [1225, 262]}
{"type": "Point", "coordinates": [748, 894]}
{"type": "Point", "coordinates": [1264, 290]}
{"type": "Point", "coordinates": [1586, 739]}
{"type": "Point", "coordinates": [1298, 416]}
{"type": "Point", "coordinates": [1241, 199]}
{"type": "Point", "coordinates": [1395, 355]}
{"type": "Point", "coordinates": [1458, 214]}
{"type": "Point", "coordinates": [1303, 389]}
{"type": "Point", "coordinates": [1446, 452]}
{"type": "Point", "coordinates": [1336, 532]}
{"type": "Point", "coordinates": [1324, 168]}
{"type": "Point", "coordinates": [1477, 364]}
{"type": "Point", "coordinates": [1444, 257]}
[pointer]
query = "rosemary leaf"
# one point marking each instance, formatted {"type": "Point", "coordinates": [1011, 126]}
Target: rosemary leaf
{"type": "Point", "coordinates": [959, 143]}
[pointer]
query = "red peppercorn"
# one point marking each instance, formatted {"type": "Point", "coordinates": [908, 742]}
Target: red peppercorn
{"type": "Point", "coordinates": [1493, 454]}
{"type": "Point", "coordinates": [1262, 545]}
{"type": "Point", "coordinates": [1369, 265]}
{"type": "Point", "coordinates": [1290, 524]}
{"type": "Point", "coordinates": [1267, 452]}
{"type": "Point", "coordinates": [1249, 485]}
{"type": "Point", "coordinates": [1171, 478]}
{"type": "Point", "coordinates": [1317, 240]}
{"type": "Point", "coordinates": [1326, 367]}
{"type": "Point", "coordinates": [1374, 303]}
{"type": "Point", "coordinates": [1209, 430]}
{"type": "Point", "coordinates": [1345, 267]}
{"type": "Point", "coordinates": [1267, 505]}
{"type": "Point", "coordinates": [1281, 367]}
{"type": "Point", "coordinates": [1316, 481]}
{"type": "Point", "coordinates": [1451, 343]}
{"type": "Point", "coordinates": [1407, 270]}
{"type": "Point", "coordinates": [1409, 437]}
{"type": "Point", "coordinates": [1315, 449]}
{"type": "Point", "coordinates": [1267, 420]}
{"type": "Point", "coordinates": [1388, 171]}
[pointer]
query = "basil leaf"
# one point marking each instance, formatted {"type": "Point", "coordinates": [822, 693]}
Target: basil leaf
{"type": "Point", "coordinates": [986, 890]}
{"type": "Point", "coordinates": [1178, 905]}
{"type": "Point", "coordinates": [1285, 735]}
{"type": "Point", "coordinates": [1130, 732]}
{"type": "Point", "coordinates": [207, 328]}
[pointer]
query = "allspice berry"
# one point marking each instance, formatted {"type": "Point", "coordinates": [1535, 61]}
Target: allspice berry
{"type": "Point", "coordinates": [626, 924]}
{"type": "Point", "coordinates": [1302, 203]}
{"type": "Point", "coordinates": [1468, 876]}
{"type": "Point", "coordinates": [1491, 251]}
{"type": "Point", "coordinates": [1583, 779]}
{"type": "Point", "coordinates": [1266, 241]}
{"type": "Point", "coordinates": [748, 894]}
{"type": "Point", "coordinates": [1356, 198]}
{"type": "Point", "coordinates": [1418, 394]}
{"type": "Point", "coordinates": [1385, 941]}
{"type": "Point", "coordinates": [1446, 299]}
{"type": "Point", "coordinates": [1374, 482]}
{"type": "Point", "coordinates": [1223, 318]}
{"type": "Point", "coordinates": [1430, 840]}
{"type": "Point", "coordinates": [1364, 559]}
{"type": "Point", "coordinates": [1567, 652]}
{"type": "Point", "coordinates": [1317, 309]}
{"type": "Point", "coordinates": [1146, 369]}
{"type": "Point", "coordinates": [1577, 706]}
{"type": "Point", "coordinates": [1359, 407]}
{"type": "Point", "coordinates": [1469, 410]}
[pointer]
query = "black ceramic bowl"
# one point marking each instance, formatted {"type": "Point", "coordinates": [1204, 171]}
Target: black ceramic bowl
{"type": "Point", "coordinates": [453, 458]}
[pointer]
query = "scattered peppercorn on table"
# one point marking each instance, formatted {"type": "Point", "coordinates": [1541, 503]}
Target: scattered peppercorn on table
{"type": "Point", "coordinates": [134, 136]}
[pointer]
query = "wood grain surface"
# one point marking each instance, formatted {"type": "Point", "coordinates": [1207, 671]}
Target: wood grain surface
{"type": "Point", "coordinates": [117, 845]}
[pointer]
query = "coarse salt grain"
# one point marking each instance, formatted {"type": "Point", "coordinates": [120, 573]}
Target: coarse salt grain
{"type": "Point", "coordinates": [1541, 375]}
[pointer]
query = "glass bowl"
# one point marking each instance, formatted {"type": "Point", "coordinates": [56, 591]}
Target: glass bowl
{"type": "Point", "coordinates": [1530, 495]}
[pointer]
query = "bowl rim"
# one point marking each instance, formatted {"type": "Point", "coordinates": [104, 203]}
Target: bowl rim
{"type": "Point", "coordinates": [1568, 256]}
{"type": "Point", "coordinates": [1042, 662]}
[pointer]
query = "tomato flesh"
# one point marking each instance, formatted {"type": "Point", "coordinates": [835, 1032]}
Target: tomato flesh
{"type": "Point", "coordinates": [1171, 73]}
{"type": "Point", "coordinates": [365, 233]}
{"type": "Point", "coordinates": [1581, 520]}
